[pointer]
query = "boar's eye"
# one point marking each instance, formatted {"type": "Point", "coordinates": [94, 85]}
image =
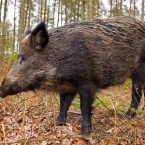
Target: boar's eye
{"type": "Point", "coordinates": [21, 59]}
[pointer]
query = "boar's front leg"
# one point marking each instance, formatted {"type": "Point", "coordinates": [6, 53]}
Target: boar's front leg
{"type": "Point", "coordinates": [87, 93]}
{"type": "Point", "coordinates": [65, 102]}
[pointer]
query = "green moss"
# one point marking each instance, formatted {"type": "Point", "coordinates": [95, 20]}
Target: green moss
{"type": "Point", "coordinates": [100, 101]}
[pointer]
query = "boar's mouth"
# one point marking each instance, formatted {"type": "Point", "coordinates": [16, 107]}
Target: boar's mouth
{"type": "Point", "coordinates": [9, 88]}
{"type": "Point", "coordinates": [36, 83]}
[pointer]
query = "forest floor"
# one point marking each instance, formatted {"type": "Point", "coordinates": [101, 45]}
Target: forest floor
{"type": "Point", "coordinates": [29, 119]}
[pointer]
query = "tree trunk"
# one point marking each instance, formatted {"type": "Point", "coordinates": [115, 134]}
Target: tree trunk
{"type": "Point", "coordinates": [58, 13]}
{"type": "Point", "coordinates": [121, 3]}
{"type": "Point", "coordinates": [90, 9]}
{"type": "Point", "coordinates": [5, 11]}
{"type": "Point", "coordinates": [1, 4]}
{"type": "Point", "coordinates": [142, 11]}
{"type": "Point", "coordinates": [14, 30]}
{"type": "Point", "coordinates": [111, 8]}
{"type": "Point", "coordinates": [54, 7]}
{"type": "Point", "coordinates": [134, 12]}
{"type": "Point", "coordinates": [83, 10]}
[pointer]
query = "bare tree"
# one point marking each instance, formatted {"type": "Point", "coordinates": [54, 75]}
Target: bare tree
{"type": "Point", "coordinates": [58, 13]}
{"type": "Point", "coordinates": [54, 8]}
{"type": "Point", "coordinates": [142, 11]}
{"type": "Point", "coordinates": [14, 27]}
{"type": "Point", "coordinates": [1, 4]}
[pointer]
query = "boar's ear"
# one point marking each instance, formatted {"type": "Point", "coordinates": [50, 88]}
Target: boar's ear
{"type": "Point", "coordinates": [27, 32]}
{"type": "Point", "coordinates": [39, 36]}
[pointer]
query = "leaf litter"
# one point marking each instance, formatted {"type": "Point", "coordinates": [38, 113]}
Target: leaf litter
{"type": "Point", "coordinates": [30, 122]}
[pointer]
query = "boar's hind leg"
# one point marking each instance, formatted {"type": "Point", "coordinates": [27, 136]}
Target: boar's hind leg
{"type": "Point", "coordinates": [65, 102]}
{"type": "Point", "coordinates": [137, 86]}
{"type": "Point", "coordinates": [87, 93]}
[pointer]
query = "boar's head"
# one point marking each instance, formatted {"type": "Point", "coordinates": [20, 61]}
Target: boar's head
{"type": "Point", "coordinates": [30, 69]}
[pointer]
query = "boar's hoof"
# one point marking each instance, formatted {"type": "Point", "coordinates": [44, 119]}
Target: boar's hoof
{"type": "Point", "coordinates": [2, 95]}
{"type": "Point", "coordinates": [86, 130]}
{"type": "Point", "coordinates": [131, 113]}
{"type": "Point", "coordinates": [60, 120]}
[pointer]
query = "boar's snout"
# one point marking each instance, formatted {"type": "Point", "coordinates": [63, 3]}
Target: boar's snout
{"type": "Point", "coordinates": [7, 87]}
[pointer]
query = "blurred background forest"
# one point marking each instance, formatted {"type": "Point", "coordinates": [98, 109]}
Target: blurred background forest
{"type": "Point", "coordinates": [18, 15]}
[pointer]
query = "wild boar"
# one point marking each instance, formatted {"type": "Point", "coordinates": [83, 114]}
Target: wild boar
{"type": "Point", "coordinates": [80, 58]}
